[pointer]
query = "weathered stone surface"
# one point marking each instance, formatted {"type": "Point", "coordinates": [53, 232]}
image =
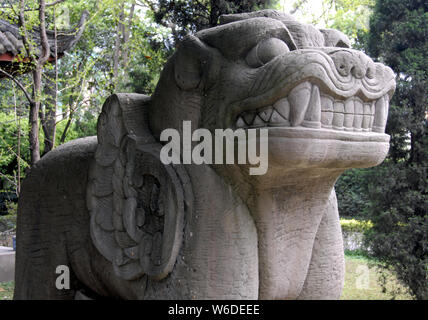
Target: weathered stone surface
{"type": "Point", "coordinates": [131, 227]}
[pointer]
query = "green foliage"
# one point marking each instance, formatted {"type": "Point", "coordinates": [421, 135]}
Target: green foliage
{"type": "Point", "coordinates": [8, 222]}
{"type": "Point", "coordinates": [398, 188]}
{"type": "Point", "coordinates": [353, 225]}
{"type": "Point", "coordinates": [352, 18]}
{"type": "Point", "coordinates": [85, 73]}
{"type": "Point", "coordinates": [6, 290]}
{"type": "Point", "coordinates": [351, 194]}
{"type": "Point", "coordinates": [8, 149]}
{"type": "Point", "coordinates": [358, 266]}
{"type": "Point", "coordinates": [349, 16]}
{"type": "Point", "coordinates": [83, 126]}
{"type": "Point", "coordinates": [151, 41]}
{"type": "Point", "coordinates": [398, 209]}
{"type": "Point", "coordinates": [358, 254]}
{"type": "Point", "coordinates": [185, 17]}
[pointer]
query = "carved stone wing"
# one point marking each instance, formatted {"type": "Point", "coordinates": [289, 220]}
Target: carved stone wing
{"type": "Point", "coordinates": [137, 204]}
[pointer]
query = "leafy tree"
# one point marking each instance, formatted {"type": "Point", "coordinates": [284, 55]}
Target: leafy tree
{"type": "Point", "coordinates": [351, 194]}
{"type": "Point", "coordinates": [184, 17]}
{"type": "Point", "coordinates": [14, 146]}
{"type": "Point", "coordinates": [10, 127]}
{"type": "Point", "coordinates": [349, 16]}
{"type": "Point", "coordinates": [398, 188]}
{"type": "Point", "coordinates": [113, 44]}
{"type": "Point", "coordinates": [85, 75]}
{"type": "Point", "coordinates": [32, 14]}
{"type": "Point", "coordinates": [150, 43]}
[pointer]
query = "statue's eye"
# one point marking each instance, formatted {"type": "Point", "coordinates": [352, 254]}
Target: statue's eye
{"type": "Point", "coordinates": [265, 51]}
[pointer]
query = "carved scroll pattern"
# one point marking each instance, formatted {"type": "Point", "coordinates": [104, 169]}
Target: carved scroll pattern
{"type": "Point", "coordinates": [137, 204]}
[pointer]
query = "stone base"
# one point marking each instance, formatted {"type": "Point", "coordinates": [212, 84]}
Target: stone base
{"type": "Point", "coordinates": [7, 264]}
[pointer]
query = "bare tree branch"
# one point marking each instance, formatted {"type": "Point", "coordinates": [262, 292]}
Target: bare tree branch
{"type": "Point", "coordinates": [54, 3]}
{"type": "Point", "coordinates": [297, 6]}
{"type": "Point", "coordinates": [18, 158]}
{"type": "Point", "coordinates": [126, 35]}
{"type": "Point", "coordinates": [325, 10]}
{"type": "Point", "coordinates": [27, 95]}
{"type": "Point", "coordinates": [11, 7]}
{"type": "Point", "coordinates": [43, 36]}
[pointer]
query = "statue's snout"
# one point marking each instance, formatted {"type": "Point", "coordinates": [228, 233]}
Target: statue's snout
{"type": "Point", "coordinates": [352, 62]}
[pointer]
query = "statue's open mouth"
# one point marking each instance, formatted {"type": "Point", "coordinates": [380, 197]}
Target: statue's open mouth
{"type": "Point", "coordinates": [307, 106]}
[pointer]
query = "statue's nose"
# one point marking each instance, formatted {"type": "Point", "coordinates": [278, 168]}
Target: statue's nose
{"type": "Point", "coordinates": [353, 63]}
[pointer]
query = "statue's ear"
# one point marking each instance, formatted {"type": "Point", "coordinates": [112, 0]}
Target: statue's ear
{"type": "Point", "coordinates": [137, 204]}
{"type": "Point", "coordinates": [190, 63]}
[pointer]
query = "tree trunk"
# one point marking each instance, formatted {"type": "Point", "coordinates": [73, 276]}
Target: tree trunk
{"type": "Point", "coordinates": [33, 137]}
{"type": "Point", "coordinates": [117, 46]}
{"type": "Point", "coordinates": [67, 126]}
{"type": "Point", "coordinates": [37, 86]}
{"type": "Point", "coordinates": [126, 34]}
{"type": "Point", "coordinates": [18, 126]}
{"type": "Point", "coordinates": [49, 115]}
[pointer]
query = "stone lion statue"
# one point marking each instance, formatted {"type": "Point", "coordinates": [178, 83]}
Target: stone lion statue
{"type": "Point", "coordinates": [127, 226]}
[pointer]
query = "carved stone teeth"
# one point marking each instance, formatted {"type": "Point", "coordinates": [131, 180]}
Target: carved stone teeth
{"type": "Point", "coordinates": [326, 119]}
{"type": "Point", "coordinates": [358, 120]}
{"type": "Point", "coordinates": [358, 106]}
{"type": "Point", "coordinates": [240, 122]}
{"type": "Point", "coordinates": [248, 117]}
{"type": "Point", "coordinates": [283, 108]}
{"type": "Point", "coordinates": [264, 117]}
{"type": "Point", "coordinates": [338, 115]}
{"type": "Point", "coordinates": [313, 114]}
{"type": "Point", "coordinates": [265, 113]}
{"type": "Point", "coordinates": [365, 125]}
{"type": "Point", "coordinates": [372, 112]}
{"type": "Point", "coordinates": [321, 110]}
{"type": "Point", "coordinates": [381, 114]}
{"type": "Point", "coordinates": [349, 115]}
{"type": "Point", "coordinates": [358, 114]}
{"type": "Point", "coordinates": [299, 100]}
{"type": "Point", "coordinates": [276, 120]}
{"type": "Point", "coordinates": [258, 122]}
{"type": "Point", "coordinates": [326, 112]}
{"type": "Point", "coordinates": [326, 103]}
